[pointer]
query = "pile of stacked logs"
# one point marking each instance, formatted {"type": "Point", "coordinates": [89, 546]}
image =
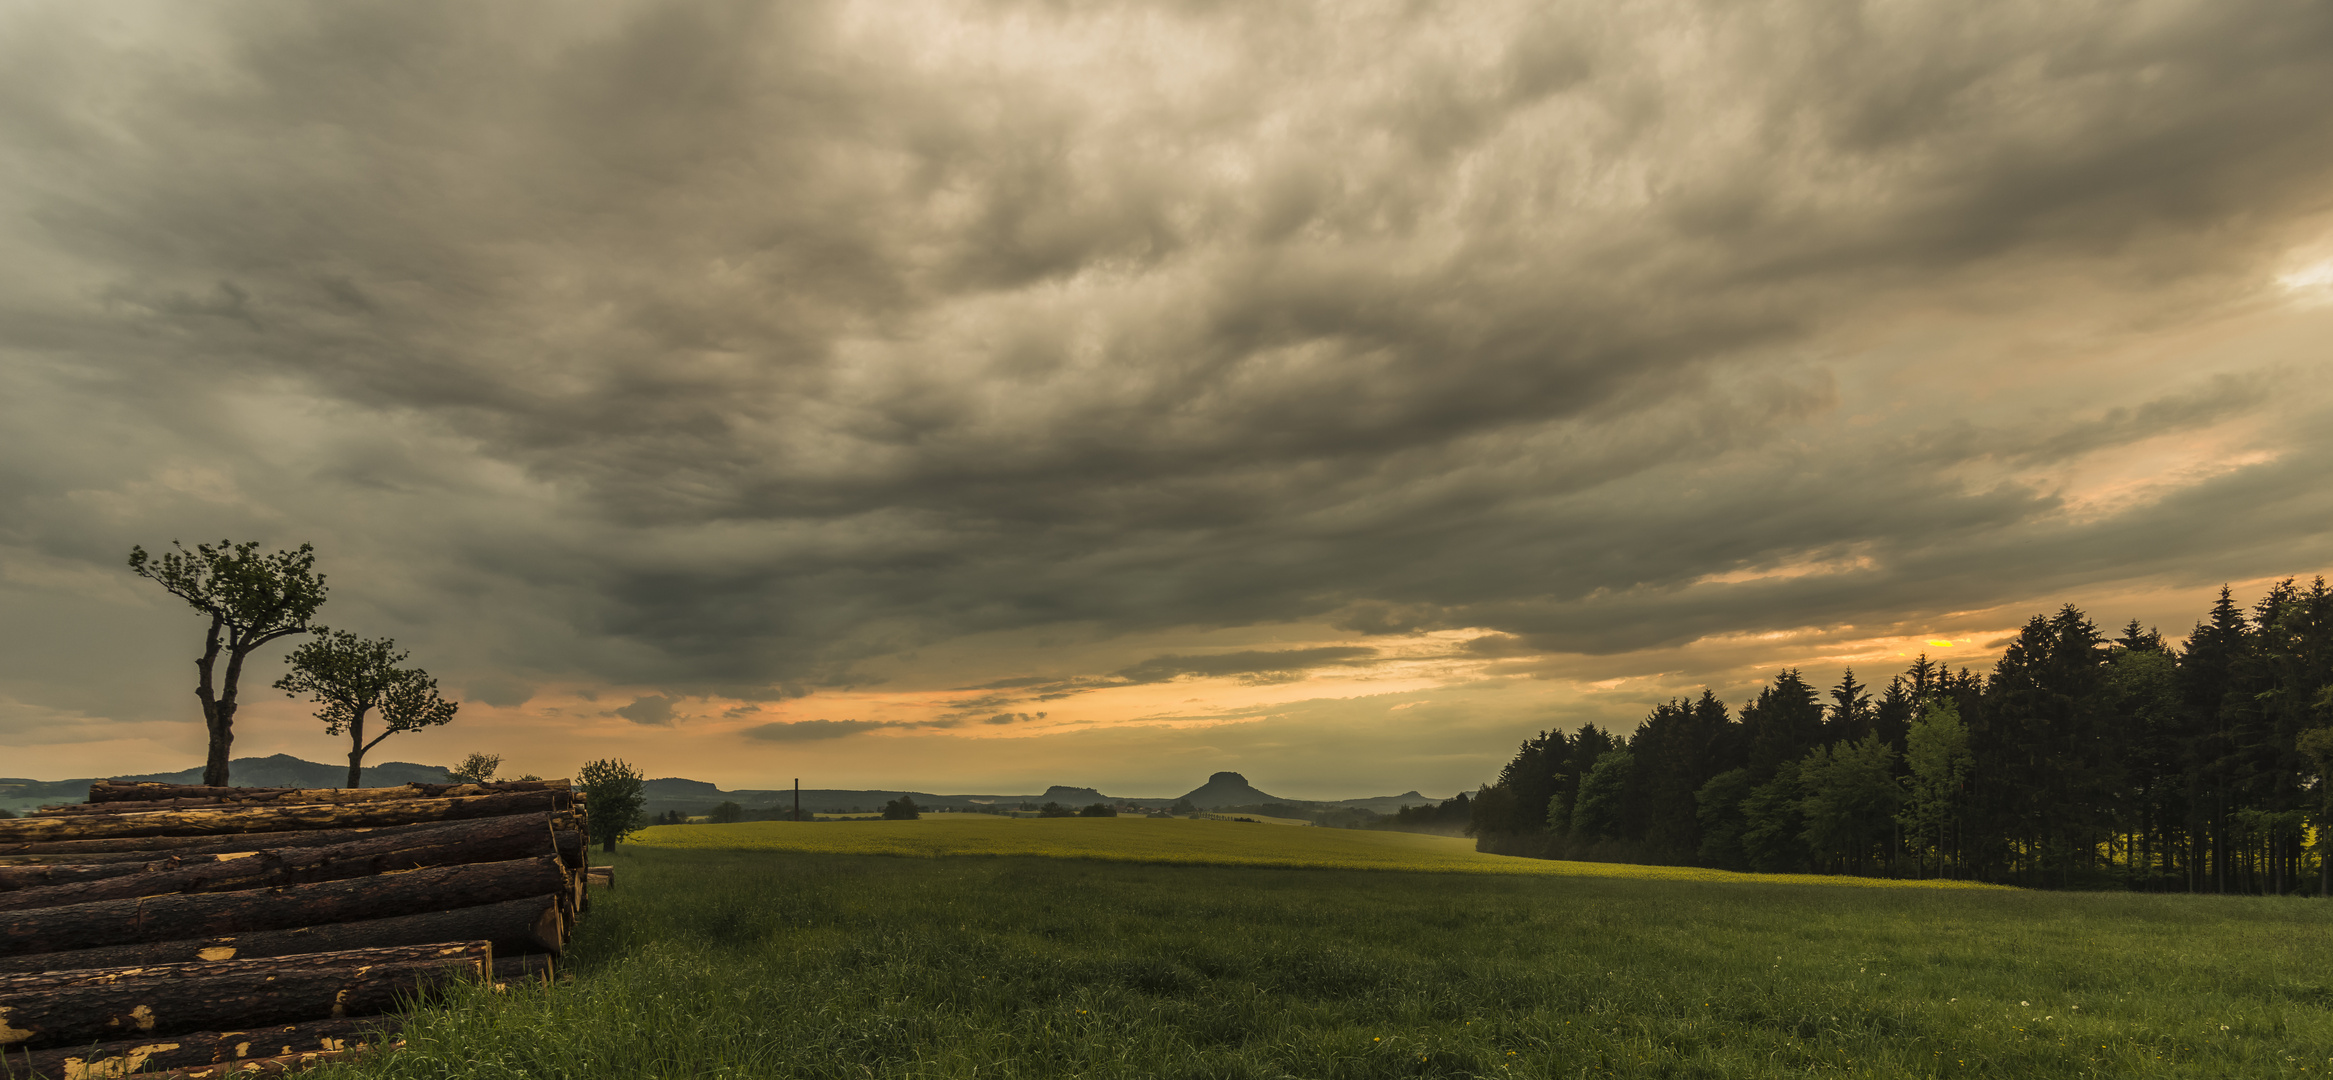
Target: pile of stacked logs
{"type": "Point", "coordinates": [217, 929]}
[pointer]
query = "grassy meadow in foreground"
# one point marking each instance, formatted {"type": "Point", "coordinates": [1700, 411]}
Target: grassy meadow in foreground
{"type": "Point", "coordinates": [781, 964]}
{"type": "Point", "coordinates": [1181, 842]}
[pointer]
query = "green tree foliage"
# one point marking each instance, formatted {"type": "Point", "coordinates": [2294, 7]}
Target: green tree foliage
{"type": "Point", "coordinates": [352, 678]}
{"type": "Point", "coordinates": [1936, 753]}
{"type": "Point", "coordinates": [476, 769]}
{"type": "Point", "coordinates": [612, 799]}
{"type": "Point", "coordinates": [1850, 801]}
{"type": "Point", "coordinates": [1183, 808]}
{"type": "Point", "coordinates": [1054, 809]}
{"type": "Point", "coordinates": [727, 813]}
{"type": "Point", "coordinates": [1099, 810]}
{"type": "Point", "coordinates": [1601, 813]}
{"type": "Point", "coordinates": [2078, 760]}
{"type": "Point", "coordinates": [251, 598]}
{"type": "Point", "coordinates": [904, 808]}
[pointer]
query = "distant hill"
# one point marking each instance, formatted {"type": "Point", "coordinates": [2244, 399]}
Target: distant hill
{"type": "Point", "coordinates": [1232, 789]}
{"type": "Point", "coordinates": [281, 770]}
{"type": "Point", "coordinates": [691, 796]}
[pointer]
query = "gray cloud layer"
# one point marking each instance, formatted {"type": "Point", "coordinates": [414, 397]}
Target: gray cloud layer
{"type": "Point", "coordinates": [722, 348]}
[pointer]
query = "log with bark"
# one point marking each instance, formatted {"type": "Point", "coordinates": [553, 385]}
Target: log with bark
{"type": "Point", "coordinates": [249, 1068]}
{"type": "Point", "coordinates": [67, 1008]}
{"type": "Point", "coordinates": [108, 791]}
{"type": "Point", "coordinates": [603, 876]}
{"type": "Point", "coordinates": [516, 927]}
{"type": "Point", "coordinates": [124, 1056]}
{"type": "Point", "coordinates": [30, 868]}
{"type": "Point", "coordinates": [488, 840]}
{"type": "Point", "coordinates": [254, 819]}
{"type": "Point", "coordinates": [191, 915]}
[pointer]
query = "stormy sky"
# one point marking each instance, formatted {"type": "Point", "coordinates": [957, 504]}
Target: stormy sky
{"type": "Point", "coordinates": [978, 396]}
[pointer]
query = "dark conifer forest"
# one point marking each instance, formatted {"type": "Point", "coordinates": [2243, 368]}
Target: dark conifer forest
{"type": "Point", "coordinates": [2080, 761]}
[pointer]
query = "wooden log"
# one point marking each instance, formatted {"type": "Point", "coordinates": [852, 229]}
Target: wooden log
{"type": "Point", "coordinates": [65, 1008]}
{"type": "Point", "coordinates": [193, 915]}
{"type": "Point", "coordinates": [529, 925]}
{"type": "Point", "coordinates": [29, 869]}
{"type": "Point", "coordinates": [489, 840]}
{"type": "Point", "coordinates": [535, 968]}
{"type": "Point", "coordinates": [273, 818]}
{"type": "Point", "coordinates": [150, 848]}
{"type": "Point", "coordinates": [263, 1067]}
{"type": "Point", "coordinates": [124, 1056]}
{"type": "Point", "coordinates": [603, 876]}
{"type": "Point", "coordinates": [107, 791]}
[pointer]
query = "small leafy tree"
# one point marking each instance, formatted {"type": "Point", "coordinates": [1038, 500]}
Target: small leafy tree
{"type": "Point", "coordinates": [1937, 753]}
{"type": "Point", "coordinates": [352, 677]}
{"type": "Point", "coordinates": [252, 599]}
{"type": "Point", "coordinates": [476, 769]}
{"type": "Point", "coordinates": [1183, 807]}
{"type": "Point", "coordinates": [726, 814]}
{"type": "Point", "coordinates": [612, 799]}
{"type": "Point", "coordinates": [902, 808]}
{"type": "Point", "coordinates": [1099, 810]}
{"type": "Point", "coordinates": [1054, 809]}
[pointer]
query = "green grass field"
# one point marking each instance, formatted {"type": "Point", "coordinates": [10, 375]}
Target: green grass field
{"type": "Point", "coordinates": [792, 963]}
{"type": "Point", "coordinates": [1179, 842]}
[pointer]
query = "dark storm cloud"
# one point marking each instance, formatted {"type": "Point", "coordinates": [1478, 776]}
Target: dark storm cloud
{"type": "Point", "coordinates": [723, 348]}
{"type": "Point", "coordinates": [654, 710]}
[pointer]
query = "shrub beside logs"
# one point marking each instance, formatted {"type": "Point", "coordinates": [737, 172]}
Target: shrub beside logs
{"type": "Point", "coordinates": [175, 927]}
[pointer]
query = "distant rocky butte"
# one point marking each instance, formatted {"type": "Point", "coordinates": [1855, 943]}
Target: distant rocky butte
{"type": "Point", "coordinates": [1229, 789]}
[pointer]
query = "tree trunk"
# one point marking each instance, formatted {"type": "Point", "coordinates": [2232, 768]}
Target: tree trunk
{"type": "Point", "coordinates": [125, 1056]}
{"type": "Point", "coordinates": [63, 1008]}
{"type": "Point", "coordinates": [217, 728]}
{"type": "Point", "coordinates": [61, 827]}
{"type": "Point", "coordinates": [191, 915]}
{"type": "Point", "coordinates": [490, 840]}
{"type": "Point", "coordinates": [111, 791]}
{"type": "Point", "coordinates": [516, 927]}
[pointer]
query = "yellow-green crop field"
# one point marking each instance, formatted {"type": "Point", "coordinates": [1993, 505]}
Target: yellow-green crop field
{"type": "Point", "coordinates": [1180, 842]}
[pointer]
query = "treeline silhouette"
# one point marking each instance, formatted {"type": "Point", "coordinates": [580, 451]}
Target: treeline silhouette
{"type": "Point", "coordinates": [2078, 761]}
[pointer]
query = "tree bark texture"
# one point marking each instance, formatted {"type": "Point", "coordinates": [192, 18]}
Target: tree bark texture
{"type": "Point", "coordinates": [249, 1068]}
{"type": "Point", "coordinates": [192, 915]}
{"type": "Point", "coordinates": [573, 844]}
{"type": "Point", "coordinates": [530, 925]}
{"type": "Point", "coordinates": [490, 840]}
{"type": "Point", "coordinates": [65, 1008]}
{"type": "Point", "coordinates": [123, 1056]}
{"type": "Point", "coordinates": [108, 791]}
{"type": "Point", "coordinates": [66, 827]}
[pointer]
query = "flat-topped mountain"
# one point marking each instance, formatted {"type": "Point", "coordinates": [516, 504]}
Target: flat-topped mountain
{"type": "Point", "coordinates": [1230, 789]}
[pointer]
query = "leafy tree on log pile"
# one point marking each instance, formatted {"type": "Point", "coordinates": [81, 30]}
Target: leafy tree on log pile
{"type": "Point", "coordinates": [476, 769]}
{"type": "Point", "coordinates": [1099, 810]}
{"type": "Point", "coordinates": [352, 677]}
{"type": "Point", "coordinates": [902, 808]}
{"type": "Point", "coordinates": [612, 799]}
{"type": "Point", "coordinates": [727, 813]}
{"type": "Point", "coordinates": [252, 599]}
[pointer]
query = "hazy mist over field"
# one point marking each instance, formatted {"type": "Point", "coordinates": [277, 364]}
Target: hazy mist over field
{"type": "Point", "coordinates": [963, 396]}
